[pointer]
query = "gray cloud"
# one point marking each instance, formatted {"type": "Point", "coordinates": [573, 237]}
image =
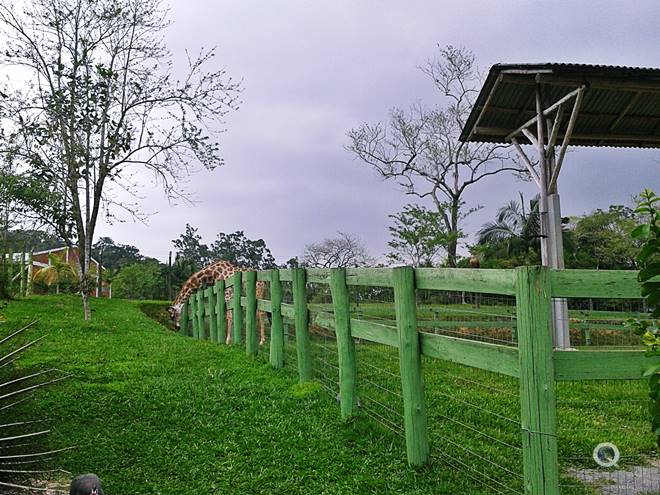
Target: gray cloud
{"type": "Point", "coordinates": [313, 70]}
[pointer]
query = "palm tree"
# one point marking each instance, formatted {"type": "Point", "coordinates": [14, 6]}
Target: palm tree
{"type": "Point", "coordinates": [516, 228]}
{"type": "Point", "coordinates": [107, 276]}
{"type": "Point", "coordinates": [56, 272]}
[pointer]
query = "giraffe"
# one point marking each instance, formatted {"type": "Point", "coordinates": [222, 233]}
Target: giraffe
{"type": "Point", "coordinates": [219, 270]}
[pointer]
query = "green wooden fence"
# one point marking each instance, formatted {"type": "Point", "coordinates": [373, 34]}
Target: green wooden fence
{"type": "Point", "coordinates": [534, 362]}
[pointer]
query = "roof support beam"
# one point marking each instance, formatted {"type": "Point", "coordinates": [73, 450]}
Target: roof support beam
{"type": "Point", "coordinates": [594, 83]}
{"type": "Point", "coordinates": [625, 110]}
{"type": "Point", "coordinates": [532, 139]}
{"type": "Point", "coordinates": [526, 161]}
{"type": "Point", "coordinates": [485, 107]}
{"type": "Point", "coordinates": [555, 131]}
{"type": "Point", "coordinates": [639, 139]}
{"type": "Point", "coordinates": [567, 138]}
{"type": "Point", "coordinates": [546, 112]}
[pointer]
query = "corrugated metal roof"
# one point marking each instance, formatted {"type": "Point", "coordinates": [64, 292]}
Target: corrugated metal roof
{"type": "Point", "coordinates": [620, 107]}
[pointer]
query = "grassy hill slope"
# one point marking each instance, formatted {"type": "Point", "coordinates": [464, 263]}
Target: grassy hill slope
{"type": "Point", "coordinates": [155, 413]}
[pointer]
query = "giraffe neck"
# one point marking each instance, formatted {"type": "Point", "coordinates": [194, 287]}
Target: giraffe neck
{"type": "Point", "coordinates": [219, 270]}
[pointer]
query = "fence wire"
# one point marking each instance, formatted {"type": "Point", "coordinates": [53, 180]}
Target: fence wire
{"type": "Point", "coordinates": [600, 420]}
{"type": "Point", "coordinates": [19, 420]}
{"type": "Point", "coordinates": [468, 315]}
{"type": "Point", "coordinates": [474, 424]}
{"type": "Point", "coordinates": [325, 361]}
{"type": "Point", "coordinates": [379, 384]}
{"type": "Point", "coordinates": [601, 322]}
{"type": "Point", "coordinates": [264, 321]}
{"type": "Point", "coordinates": [289, 328]}
{"type": "Point", "coordinates": [379, 379]}
{"type": "Point", "coordinates": [473, 414]}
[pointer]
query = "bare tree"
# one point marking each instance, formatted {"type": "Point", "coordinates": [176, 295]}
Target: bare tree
{"type": "Point", "coordinates": [97, 100]}
{"type": "Point", "coordinates": [420, 148]}
{"type": "Point", "coordinates": [342, 251]}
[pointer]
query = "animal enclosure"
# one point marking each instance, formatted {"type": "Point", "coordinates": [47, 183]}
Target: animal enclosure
{"type": "Point", "coordinates": [460, 364]}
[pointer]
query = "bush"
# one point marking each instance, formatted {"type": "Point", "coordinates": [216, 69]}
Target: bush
{"type": "Point", "coordinates": [140, 281]}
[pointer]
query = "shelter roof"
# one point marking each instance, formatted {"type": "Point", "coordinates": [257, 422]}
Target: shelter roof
{"type": "Point", "coordinates": [620, 107]}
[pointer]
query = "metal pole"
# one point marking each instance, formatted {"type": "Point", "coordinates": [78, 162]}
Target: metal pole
{"type": "Point", "coordinates": [552, 252]}
{"type": "Point", "coordinates": [562, 338]}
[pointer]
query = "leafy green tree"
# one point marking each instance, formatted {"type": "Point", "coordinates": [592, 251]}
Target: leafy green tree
{"type": "Point", "coordinates": [292, 263]}
{"type": "Point", "coordinates": [190, 250]}
{"type": "Point", "coordinates": [181, 270]}
{"type": "Point", "coordinates": [113, 255]}
{"type": "Point", "coordinates": [418, 237]}
{"type": "Point", "coordinates": [100, 100]}
{"type": "Point", "coordinates": [140, 281]}
{"type": "Point", "coordinates": [236, 248]}
{"type": "Point", "coordinates": [241, 251]}
{"type": "Point", "coordinates": [602, 240]}
{"type": "Point", "coordinates": [33, 240]}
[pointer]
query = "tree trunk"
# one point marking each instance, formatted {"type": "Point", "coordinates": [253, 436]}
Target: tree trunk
{"type": "Point", "coordinates": [87, 312]}
{"type": "Point", "coordinates": [83, 263]}
{"type": "Point", "coordinates": [453, 235]}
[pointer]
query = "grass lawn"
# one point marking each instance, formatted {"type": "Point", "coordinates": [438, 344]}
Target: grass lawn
{"type": "Point", "coordinates": [155, 413]}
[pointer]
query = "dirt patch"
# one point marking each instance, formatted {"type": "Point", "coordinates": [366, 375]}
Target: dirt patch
{"type": "Point", "coordinates": [41, 487]}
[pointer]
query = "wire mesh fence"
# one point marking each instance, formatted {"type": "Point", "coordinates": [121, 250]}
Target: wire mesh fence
{"type": "Point", "coordinates": [604, 435]}
{"type": "Point", "coordinates": [379, 384]}
{"type": "Point", "coordinates": [289, 328]}
{"type": "Point", "coordinates": [601, 322]}
{"type": "Point", "coordinates": [264, 321]}
{"type": "Point", "coordinates": [468, 315]}
{"type": "Point", "coordinates": [604, 438]}
{"type": "Point", "coordinates": [474, 415]}
{"type": "Point", "coordinates": [379, 379]}
{"type": "Point", "coordinates": [474, 424]}
{"type": "Point", "coordinates": [325, 360]}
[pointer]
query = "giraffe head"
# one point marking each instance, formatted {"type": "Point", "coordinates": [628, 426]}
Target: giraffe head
{"type": "Point", "coordinates": [175, 313]}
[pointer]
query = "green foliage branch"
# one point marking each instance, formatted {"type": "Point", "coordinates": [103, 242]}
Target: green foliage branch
{"type": "Point", "coordinates": [648, 260]}
{"type": "Point", "coordinates": [418, 236]}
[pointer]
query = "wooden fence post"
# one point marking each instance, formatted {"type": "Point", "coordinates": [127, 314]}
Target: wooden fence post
{"type": "Point", "coordinates": [303, 346]}
{"type": "Point", "coordinates": [251, 344]}
{"type": "Point", "coordinates": [201, 334]}
{"type": "Point", "coordinates": [193, 315]}
{"type": "Point", "coordinates": [237, 310]}
{"type": "Point", "coordinates": [213, 321]}
{"type": "Point", "coordinates": [538, 414]}
{"type": "Point", "coordinates": [410, 364]}
{"type": "Point", "coordinates": [221, 311]}
{"type": "Point", "coordinates": [183, 321]}
{"type": "Point", "coordinates": [276, 328]}
{"type": "Point", "coordinates": [345, 344]}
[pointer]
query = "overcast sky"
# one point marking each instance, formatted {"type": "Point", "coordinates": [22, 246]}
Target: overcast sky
{"type": "Point", "coordinates": [314, 69]}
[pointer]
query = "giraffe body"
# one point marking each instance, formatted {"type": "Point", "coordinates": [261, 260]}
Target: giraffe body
{"type": "Point", "coordinates": [219, 270]}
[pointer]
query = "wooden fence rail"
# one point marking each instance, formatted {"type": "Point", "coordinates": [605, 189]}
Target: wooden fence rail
{"type": "Point", "coordinates": [533, 361]}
